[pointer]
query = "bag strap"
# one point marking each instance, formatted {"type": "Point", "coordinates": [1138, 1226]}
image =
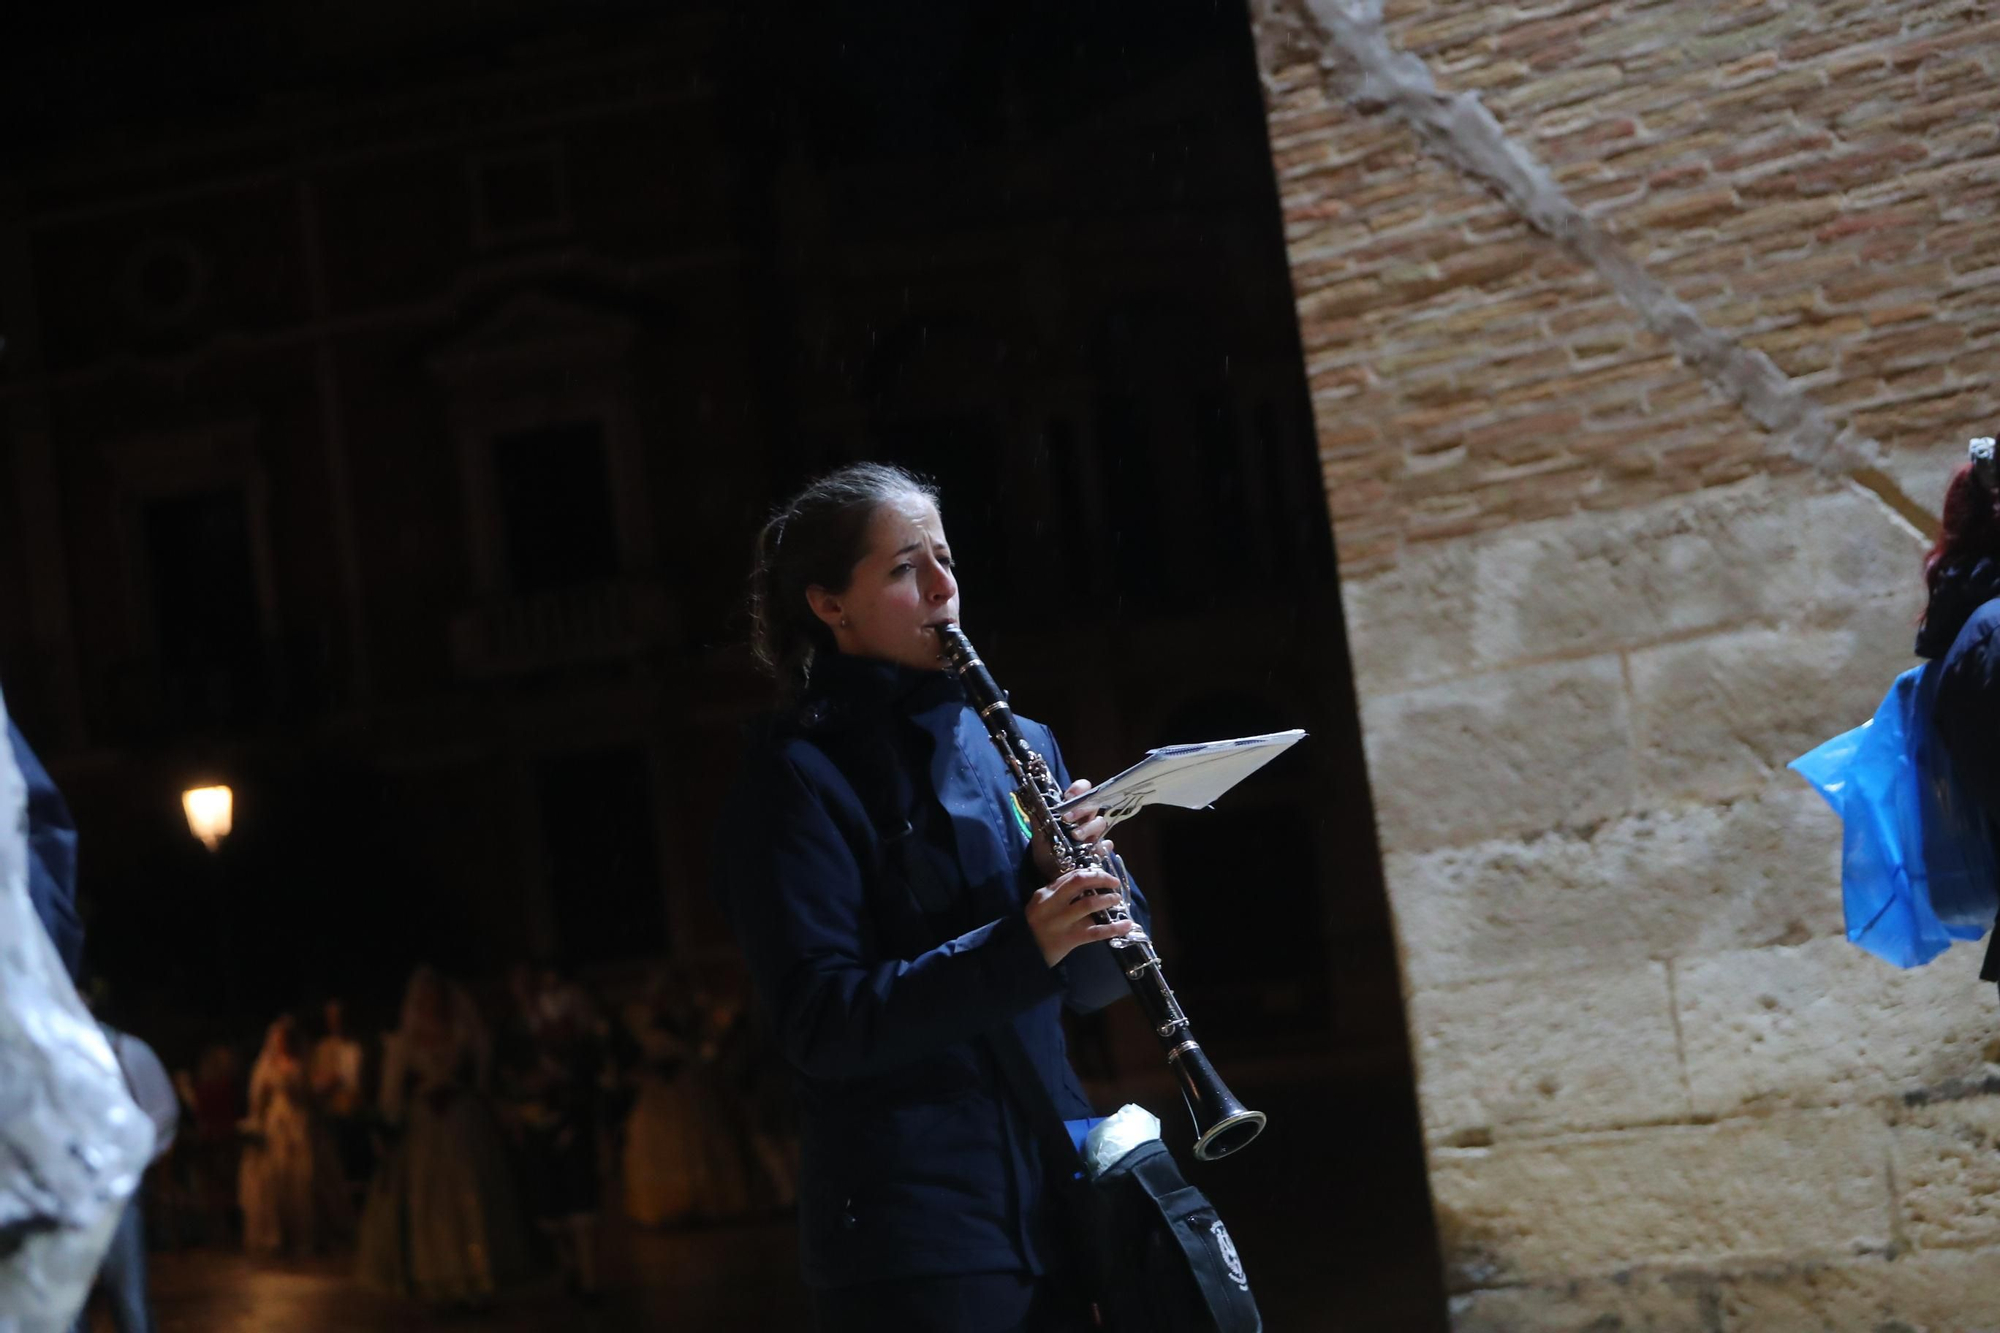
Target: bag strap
{"type": "Point", "coordinates": [1062, 1164]}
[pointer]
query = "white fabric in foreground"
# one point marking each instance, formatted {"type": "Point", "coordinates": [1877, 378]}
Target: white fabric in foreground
{"type": "Point", "coordinates": [72, 1143]}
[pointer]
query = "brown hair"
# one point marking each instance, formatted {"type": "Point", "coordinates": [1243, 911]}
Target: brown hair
{"type": "Point", "coordinates": [815, 539]}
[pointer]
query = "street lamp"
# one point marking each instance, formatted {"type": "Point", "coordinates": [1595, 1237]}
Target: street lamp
{"type": "Point", "coordinates": [208, 813]}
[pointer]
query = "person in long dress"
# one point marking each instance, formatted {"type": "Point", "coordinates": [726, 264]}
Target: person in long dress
{"type": "Point", "coordinates": [443, 1220]}
{"type": "Point", "coordinates": [658, 1171]}
{"type": "Point", "coordinates": [685, 1155]}
{"type": "Point", "coordinates": [287, 1183]}
{"type": "Point", "coordinates": [337, 1089]}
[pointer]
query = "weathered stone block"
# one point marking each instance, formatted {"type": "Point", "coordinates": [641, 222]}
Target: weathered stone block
{"type": "Point", "coordinates": [1923, 469]}
{"type": "Point", "coordinates": [1718, 716]}
{"type": "Point", "coordinates": [1507, 752]}
{"type": "Point", "coordinates": [1597, 1305]}
{"type": "Point", "coordinates": [1763, 550]}
{"type": "Point", "coordinates": [1948, 1172]}
{"type": "Point", "coordinates": [1686, 879]}
{"type": "Point", "coordinates": [1912, 1293]}
{"type": "Point", "coordinates": [1855, 554]}
{"type": "Point", "coordinates": [1823, 1023]}
{"type": "Point", "coordinates": [1808, 1185]}
{"type": "Point", "coordinates": [1596, 582]}
{"type": "Point", "coordinates": [1547, 1053]}
{"type": "Point", "coordinates": [1412, 624]}
{"type": "Point", "coordinates": [1943, 1292]}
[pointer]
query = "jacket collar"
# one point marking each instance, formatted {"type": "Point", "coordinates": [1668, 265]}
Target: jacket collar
{"type": "Point", "coordinates": [845, 690]}
{"type": "Point", "coordinates": [1961, 590]}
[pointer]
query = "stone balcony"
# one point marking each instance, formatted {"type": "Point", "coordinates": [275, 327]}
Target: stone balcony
{"type": "Point", "coordinates": [564, 627]}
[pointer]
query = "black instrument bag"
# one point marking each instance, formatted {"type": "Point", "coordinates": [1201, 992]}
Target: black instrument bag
{"type": "Point", "coordinates": [1163, 1261]}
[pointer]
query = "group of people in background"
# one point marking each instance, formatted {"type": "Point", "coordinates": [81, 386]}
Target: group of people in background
{"type": "Point", "coordinates": [468, 1152]}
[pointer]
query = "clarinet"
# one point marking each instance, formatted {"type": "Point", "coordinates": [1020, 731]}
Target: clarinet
{"type": "Point", "coordinates": [1222, 1123]}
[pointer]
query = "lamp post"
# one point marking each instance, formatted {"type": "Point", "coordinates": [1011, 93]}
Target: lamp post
{"type": "Point", "coordinates": [210, 815]}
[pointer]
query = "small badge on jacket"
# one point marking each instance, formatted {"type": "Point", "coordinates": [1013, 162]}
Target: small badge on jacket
{"type": "Point", "coordinates": [1020, 817]}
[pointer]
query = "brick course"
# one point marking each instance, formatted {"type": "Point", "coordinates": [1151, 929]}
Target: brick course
{"type": "Point", "coordinates": [1795, 172]}
{"type": "Point", "coordinates": [1594, 610]}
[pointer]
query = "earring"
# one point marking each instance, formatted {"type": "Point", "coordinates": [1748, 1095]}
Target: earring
{"type": "Point", "coordinates": [843, 622]}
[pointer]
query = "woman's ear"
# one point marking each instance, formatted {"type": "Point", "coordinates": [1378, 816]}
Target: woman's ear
{"type": "Point", "coordinates": [826, 606]}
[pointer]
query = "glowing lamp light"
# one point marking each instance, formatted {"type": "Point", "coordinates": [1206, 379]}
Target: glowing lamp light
{"type": "Point", "coordinates": [208, 813]}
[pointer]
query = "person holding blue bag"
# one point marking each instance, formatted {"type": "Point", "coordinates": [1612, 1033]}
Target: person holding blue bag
{"type": "Point", "coordinates": [1918, 787]}
{"type": "Point", "coordinates": [1961, 637]}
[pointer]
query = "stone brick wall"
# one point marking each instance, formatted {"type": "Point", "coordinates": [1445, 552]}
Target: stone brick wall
{"type": "Point", "coordinates": [1604, 576]}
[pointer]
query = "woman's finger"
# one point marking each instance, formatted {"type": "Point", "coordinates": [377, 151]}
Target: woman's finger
{"type": "Point", "coordinates": [1094, 829]}
{"type": "Point", "coordinates": [1082, 813]}
{"type": "Point", "coordinates": [1085, 907]}
{"type": "Point", "coordinates": [1075, 881]}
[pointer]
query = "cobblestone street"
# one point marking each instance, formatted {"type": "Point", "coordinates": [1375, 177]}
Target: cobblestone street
{"type": "Point", "coordinates": [734, 1278]}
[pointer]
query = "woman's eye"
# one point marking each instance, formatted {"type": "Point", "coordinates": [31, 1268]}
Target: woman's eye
{"type": "Point", "coordinates": [901, 569]}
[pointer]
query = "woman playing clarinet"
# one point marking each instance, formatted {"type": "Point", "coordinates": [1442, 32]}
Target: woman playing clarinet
{"type": "Point", "coordinates": [895, 911]}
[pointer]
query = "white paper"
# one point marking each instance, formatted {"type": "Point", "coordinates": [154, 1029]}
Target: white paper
{"type": "Point", "coordinates": [1190, 776]}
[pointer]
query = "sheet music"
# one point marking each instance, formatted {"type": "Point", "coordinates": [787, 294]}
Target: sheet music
{"type": "Point", "coordinates": [1190, 776]}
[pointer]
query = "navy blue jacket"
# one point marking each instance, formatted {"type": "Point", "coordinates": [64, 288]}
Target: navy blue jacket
{"type": "Point", "coordinates": [1961, 634]}
{"type": "Point", "coordinates": [51, 855]}
{"type": "Point", "coordinates": [874, 867]}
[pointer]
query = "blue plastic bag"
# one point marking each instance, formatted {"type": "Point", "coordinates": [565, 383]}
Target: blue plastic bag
{"type": "Point", "coordinates": [1917, 868]}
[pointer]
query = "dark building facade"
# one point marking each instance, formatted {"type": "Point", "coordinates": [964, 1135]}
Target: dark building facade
{"type": "Point", "coordinates": [388, 406]}
{"type": "Point", "coordinates": [391, 449]}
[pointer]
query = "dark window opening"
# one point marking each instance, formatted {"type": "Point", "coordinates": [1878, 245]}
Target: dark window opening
{"type": "Point", "coordinates": [599, 858]}
{"type": "Point", "coordinates": [519, 195]}
{"type": "Point", "coordinates": [554, 487]}
{"type": "Point", "coordinates": [209, 633]}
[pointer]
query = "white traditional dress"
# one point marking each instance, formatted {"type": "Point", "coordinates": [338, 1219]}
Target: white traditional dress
{"type": "Point", "coordinates": [443, 1220]}
{"type": "Point", "coordinates": [287, 1182]}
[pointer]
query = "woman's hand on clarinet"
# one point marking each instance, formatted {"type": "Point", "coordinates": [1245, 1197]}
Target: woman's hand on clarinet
{"type": "Point", "coordinates": [1059, 914]}
{"type": "Point", "coordinates": [1084, 821]}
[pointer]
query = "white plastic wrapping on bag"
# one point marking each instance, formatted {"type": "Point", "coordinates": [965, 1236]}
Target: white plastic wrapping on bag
{"type": "Point", "coordinates": [1117, 1134]}
{"type": "Point", "coordinates": [72, 1142]}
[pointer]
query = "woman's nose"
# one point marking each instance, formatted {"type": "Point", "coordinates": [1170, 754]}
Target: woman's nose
{"type": "Point", "coordinates": [944, 587]}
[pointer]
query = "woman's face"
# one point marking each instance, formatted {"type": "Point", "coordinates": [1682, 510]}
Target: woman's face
{"type": "Point", "coordinates": [901, 587]}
